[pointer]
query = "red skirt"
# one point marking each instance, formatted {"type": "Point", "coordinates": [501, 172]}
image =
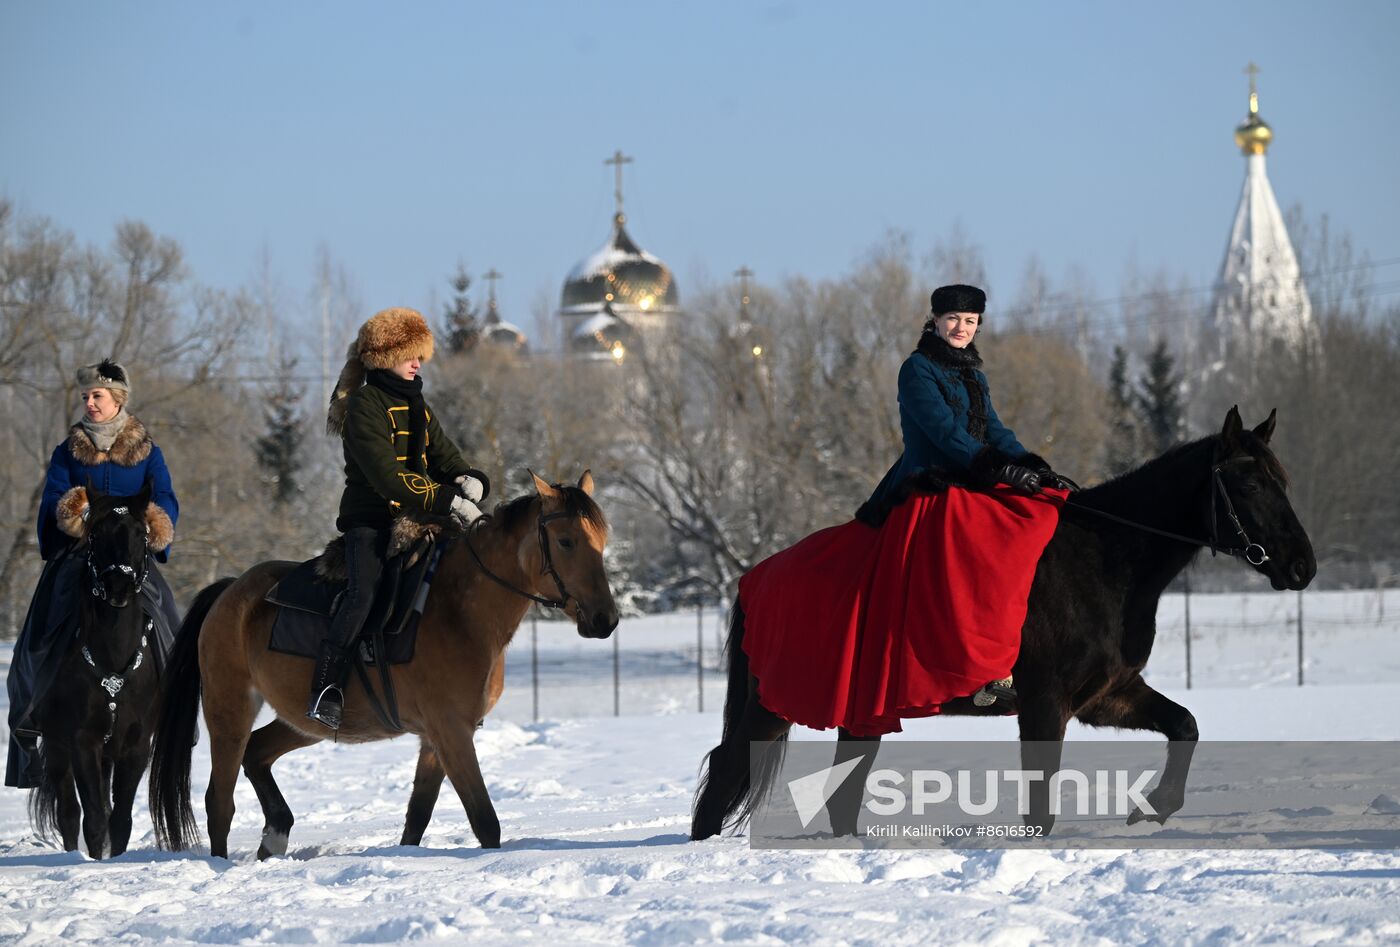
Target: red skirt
{"type": "Point", "coordinates": [859, 627]}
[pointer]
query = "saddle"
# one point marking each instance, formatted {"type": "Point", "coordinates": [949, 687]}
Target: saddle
{"type": "Point", "coordinates": [307, 597]}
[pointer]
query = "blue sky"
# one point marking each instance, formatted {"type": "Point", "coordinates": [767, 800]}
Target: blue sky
{"type": "Point", "coordinates": [788, 136]}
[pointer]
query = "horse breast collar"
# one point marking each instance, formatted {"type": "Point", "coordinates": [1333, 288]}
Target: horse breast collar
{"type": "Point", "coordinates": [113, 683]}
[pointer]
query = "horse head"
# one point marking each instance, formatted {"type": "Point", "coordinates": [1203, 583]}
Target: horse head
{"type": "Point", "coordinates": [1249, 500]}
{"type": "Point", "coordinates": [572, 535]}
{"type": "Point", "coordinates": [119, 533]}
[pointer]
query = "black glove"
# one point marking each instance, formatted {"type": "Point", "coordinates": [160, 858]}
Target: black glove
{"type": "Point", "coordinates": [1022, 478]}
{"type": "Point", "coordinates": [1059, 482]}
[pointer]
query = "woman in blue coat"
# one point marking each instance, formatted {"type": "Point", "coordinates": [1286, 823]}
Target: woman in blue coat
{"type": "Point", "coordinates": [108, 450]}
{"type": "Point", "coordinates": [949, 424]}
{"type": "Point", "coordinates": [945, 408]}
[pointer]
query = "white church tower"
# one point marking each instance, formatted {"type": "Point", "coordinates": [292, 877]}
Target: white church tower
{"type": "Point", "coordinates": [1260, 299]}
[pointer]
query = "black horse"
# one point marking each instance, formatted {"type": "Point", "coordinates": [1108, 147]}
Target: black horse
{"type": "Point", "coordinates": [98, 717]}
{"type": "Point", "coordinates": [1089, 627]}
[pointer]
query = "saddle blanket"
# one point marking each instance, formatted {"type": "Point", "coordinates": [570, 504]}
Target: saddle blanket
{"type": "Point", "coordinates": [306, 603]}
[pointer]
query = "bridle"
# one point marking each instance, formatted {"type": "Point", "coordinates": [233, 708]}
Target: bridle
{"type": "Point", "coordinates": [113, 683]}
{"type": "Point", "coordinates": [547, 564]}
{"type": "Point", "coordinates": [99, 587]}
{"type": "Point", "coordinates": [1251, 552]}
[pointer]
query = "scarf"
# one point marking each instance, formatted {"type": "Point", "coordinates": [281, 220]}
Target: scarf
{"type": "Point", "coordinates": [104, 433]}
{"type": "Point", "coordinates": [965, 362]}
{"type": "Point", "coordinates": [412, 392]}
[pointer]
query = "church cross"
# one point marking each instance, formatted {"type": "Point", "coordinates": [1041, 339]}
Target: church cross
{"type": "Point", "coordinates": [491, 276]}
{"type": "Point", "coordinates": [1252, 70]}
{"type": "Point", "coordinates": [744, 274]}
{"type": "Point", "coordinates": [617, 161]}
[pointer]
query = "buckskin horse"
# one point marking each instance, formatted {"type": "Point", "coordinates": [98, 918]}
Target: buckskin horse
{"type": "Point", "coordinates": [545, 547]}
{"type": "Point", "coordinates": [98, 716]}
{"type": "Point", "coordinates": [1089, 626]}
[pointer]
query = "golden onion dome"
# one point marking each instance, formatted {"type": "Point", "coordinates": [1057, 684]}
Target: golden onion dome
{"type": "Point", "coordinates": [1253, 135]}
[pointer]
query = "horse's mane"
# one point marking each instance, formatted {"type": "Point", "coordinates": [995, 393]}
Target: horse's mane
{"type": "Point", "coordinates": [508, 514]}
{"type": "Point", "coordinates": [1162, 467]}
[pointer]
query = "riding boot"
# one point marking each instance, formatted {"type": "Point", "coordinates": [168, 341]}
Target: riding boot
{"type": "Point", "coordinates": [1003, 690]}
{"type": "Point", "coordinates": [327, 704]}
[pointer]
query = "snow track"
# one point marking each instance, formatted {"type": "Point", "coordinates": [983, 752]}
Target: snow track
{"type": "Point", "coordinates": [594, 813]}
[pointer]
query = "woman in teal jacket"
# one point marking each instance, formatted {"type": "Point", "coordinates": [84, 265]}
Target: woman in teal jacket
{"type": "Point", "coordinates": [949, 424]}
{"type": "Point", "coordinates": [946, 413]}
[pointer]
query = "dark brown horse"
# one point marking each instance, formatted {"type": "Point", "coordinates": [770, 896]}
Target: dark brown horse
{"type": "Point", "coordinates": [1089, 627]}
{"type": "Point", "coordinates": [547, 545]}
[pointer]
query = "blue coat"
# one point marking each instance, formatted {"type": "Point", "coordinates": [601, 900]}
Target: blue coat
{"type": "Point", "coordinates": [122, 471]}
{"type": "Point", "coordinates": [933, 420]}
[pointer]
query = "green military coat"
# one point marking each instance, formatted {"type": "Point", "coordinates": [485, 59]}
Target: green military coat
{"type": "Point", "coordinates": [378, 481]}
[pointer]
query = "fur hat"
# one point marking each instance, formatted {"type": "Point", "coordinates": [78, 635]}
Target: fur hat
{"type": "Point", "coordinates": [387, 338]}
{"type": "Point", "coordinates": [105, 374]}
{"type": "Point", "coordinates": [958, 298]}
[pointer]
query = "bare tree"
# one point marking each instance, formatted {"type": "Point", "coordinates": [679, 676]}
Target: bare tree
{"type": "Point", "coordinates": [64, 306]}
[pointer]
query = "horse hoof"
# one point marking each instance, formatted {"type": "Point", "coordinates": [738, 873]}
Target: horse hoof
{"type": "Point", "coordinates": [273, 843]}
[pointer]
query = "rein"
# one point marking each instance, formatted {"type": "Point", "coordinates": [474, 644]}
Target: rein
{"type": "Point", "coordinates": [1252, 552]}
{"type": "Point", "coordinates": [548, 566]}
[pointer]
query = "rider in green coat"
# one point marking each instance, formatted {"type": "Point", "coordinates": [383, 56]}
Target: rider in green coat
{"type": "Point", "coordinates": [397, 460]}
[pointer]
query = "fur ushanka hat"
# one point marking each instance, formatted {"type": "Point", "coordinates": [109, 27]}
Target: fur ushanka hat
{"type": "Point", "coordinates": [958, 298]}
{"type": "Point", "coordinates": [386, 339]}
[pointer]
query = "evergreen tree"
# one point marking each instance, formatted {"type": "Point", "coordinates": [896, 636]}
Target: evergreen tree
{"type": "Point", "coordinates": [1122, 425]}
{"type": "Point", "coordinates": [1159, 400]}
{"type": "Point", "coordinates": [463, 326]}
{"type": "Point", "coordinates": [279, 449]}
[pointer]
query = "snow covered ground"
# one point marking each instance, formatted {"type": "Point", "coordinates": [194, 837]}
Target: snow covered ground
{"type": "Point", "coordinates": [595, 809]}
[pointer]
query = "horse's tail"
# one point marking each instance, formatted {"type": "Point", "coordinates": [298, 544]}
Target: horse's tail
{"type": "Point", "coordinates": [43, 807]}
{"type": "Point", "coordinates": [171, 814]}
{"type": "Point", "coordinates": [730, 789]}
{"type": "Point", "coordinates": [736, 696]}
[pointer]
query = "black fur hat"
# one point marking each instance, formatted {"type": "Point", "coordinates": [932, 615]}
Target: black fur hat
{"type": "Point", "coordinates": [958, 298]}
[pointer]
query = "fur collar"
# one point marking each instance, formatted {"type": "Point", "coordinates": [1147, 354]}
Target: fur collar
{"type": "Point", "coordinates": [132, 446]}
{"type": "Point", "coordinates": [941, 352]}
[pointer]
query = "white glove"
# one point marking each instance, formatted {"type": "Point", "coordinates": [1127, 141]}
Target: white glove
{"type": "Point", "coordinates": [471, 488]}
{"type": "Point", "coordinates": [464, 511]}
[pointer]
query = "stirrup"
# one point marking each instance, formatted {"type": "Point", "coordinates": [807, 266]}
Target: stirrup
{"type": "Point", "coordinates": [328, 707]}
{"type": "Point", "coordinates": [993, 692]}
